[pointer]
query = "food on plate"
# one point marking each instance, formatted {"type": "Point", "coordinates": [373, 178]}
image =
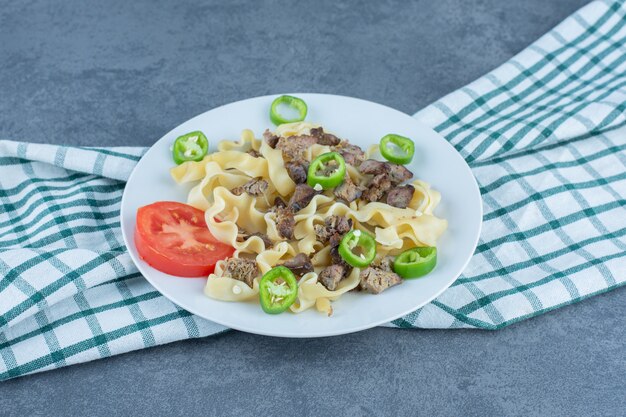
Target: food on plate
{"type": "Point", "coordinates": [289, 103]}
{"type": "Point", "coordinates": [278, 289]}
{"type": "Point", "coordinates": [173, 238]}
{"type": "Point", "coordinates": [326, 171]}
{"type": "Point", "coordinates": [415, 262]}
{"type": "Point", "coordinates": [190, 147]}
{"type": "Point", "coordinates": [301, 216]}
{"type": "Point", "coordinates": [397, 149]}
{"type": "Point", "coordinates": [357, 248]}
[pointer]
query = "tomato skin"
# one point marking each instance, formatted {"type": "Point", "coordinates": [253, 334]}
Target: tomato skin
{"type": "Point", "coordinates": [186, 248]}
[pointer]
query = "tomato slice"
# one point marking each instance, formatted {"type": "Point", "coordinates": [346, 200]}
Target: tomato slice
{"type": "Point", "coordinates": [174, 238]}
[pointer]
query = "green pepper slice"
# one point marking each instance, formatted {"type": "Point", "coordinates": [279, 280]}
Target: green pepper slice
{"type": "Point", "coordinates": [278, 290]}
{"type": "Point", "coordinates": [397, 149]}
{"type": "Point", "coordinates": [416, 262]}
{"type": "Point", "coordinates": [358, 248]}
{"type": "Point", "coordinates": [294, 102]}
{"type": "Point", "coordinates": [327, 171]}
{"type": "Point", "coordinates": [190, 147]}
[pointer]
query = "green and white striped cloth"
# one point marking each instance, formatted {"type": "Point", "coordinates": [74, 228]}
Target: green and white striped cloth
{"type": "Point", "coordinates": [545, 135]}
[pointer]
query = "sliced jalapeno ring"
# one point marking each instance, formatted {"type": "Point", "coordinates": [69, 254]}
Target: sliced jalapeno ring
{"type": "Point", "coordinates": [292, 102]}
{"type": "Point", "coordinates": [397, 149]}
{"type": "Point", "coordinates": [416, 262]}
{"type": "Point", "coordinates": [327, 171]}
{"type": "Point", "coordinates": [190, 147]}
{"type": "Point", "coordinates": [278, 290]}
{"type": "Point", "coordinates": [358, 248]}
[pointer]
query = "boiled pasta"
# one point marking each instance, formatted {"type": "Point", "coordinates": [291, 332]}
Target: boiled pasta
{"type": "Point", "coordinates": [250, 222]}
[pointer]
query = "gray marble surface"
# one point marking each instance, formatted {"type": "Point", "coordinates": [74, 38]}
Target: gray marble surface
{"type": "Point", "coordinates": [124, 73]}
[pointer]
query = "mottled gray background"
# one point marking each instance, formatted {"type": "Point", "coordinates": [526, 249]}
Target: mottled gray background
{"type": "Point", "coordinates": [126, 72]}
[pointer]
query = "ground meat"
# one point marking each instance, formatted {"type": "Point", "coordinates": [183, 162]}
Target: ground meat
{"type": "Point", "coordinates": [398, 173]}
{"type": "Point", "coordinates": [347, 191]}
{"type": "Point", "coordinates": [299, 265]}
{"type": "Point", "coordinates": [333, 225]}
{"type": "Point", "coordinates": [255, 187]}
{"type": "Point", "coordinates": [241, 269]}
{"type": "Point", "coordinates": [285, 222]}
{"type": "Point", "coordinates": [374, 167]}
{"type": "Point", "coordinates": [254, 153]}
{"type": "Point", "coordinates": [324, 138]}
{"type": "Point", "coordinates": [384, 264]}
{"type": "Point", "coordinates": [301, 197]}
{"type": "Point", "coordinates": [297, 171]}
{"type": "Point", "coordinates": [400, 196]}
{"type": "Point", "coordinates": [271, 138]}
{"type": "Point", "coordinates": [352, 154]}
{"type": "Point", "coordinates": [293, 147]}
{"type": "Point", "coordinates": [375, 281]}
{"type": "Point", "coordinates": [332, 275]}
{"type": "Point", "coordinates": [377, 187]}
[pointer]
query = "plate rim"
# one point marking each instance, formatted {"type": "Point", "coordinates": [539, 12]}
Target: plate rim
{"type": "Point", "coordinates": [128, 240]}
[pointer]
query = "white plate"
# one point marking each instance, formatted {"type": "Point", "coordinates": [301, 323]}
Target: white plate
{"type": "Point", "coordinates": [363, 123]}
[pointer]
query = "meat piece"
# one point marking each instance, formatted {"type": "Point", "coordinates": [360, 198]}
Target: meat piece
{"type": "Point", "coordinates": [271, 138]}
{"type": "Point", "coordinates": [336, 257]}
{"type": "Point", "coordinates": [335, 240]}
{"type": "Point", "coordinates": [384, 264]}
{"type": "Point", "coordinates": [347, 190]}
{"type": "Point", "coordinates": [398, 173]}
{"type": "Point", "coordinates": [332, 231]}
{"type": "Point", "coordinates": [352, 154]}
{"type": "Point", "coordinates": [301, 197]}
{"type": "Point", "coordinates": [299, 265]}
{"type": "Point", "coordinates": [293, 147]}
{"type": "Point", "coordinates": [297, 171]}
{"type": "Point", "coordinates": [340, 224]}
{"type": "Point", "coordinates": [241, 269]}
{"type": "Point", "coordinates": [400, 196]}
{"type": "Point", "coordinates": [318, 132]}
{"type": "Point", "coordinates": [255, 187]}
{"type": "Point", "coordinates": [279, 202]}
{"type": "Point", "coordinates": [375, 281]}
{"type": "Point", "coordinates": [329, 140]}
{"type": "Point", "coordinates": [320, 233]}
{"type": "Point", "coordinates": [374, 167]}
{"type": "Point", "coordinates": [332, 275]}
{"type": "Point", "coordinates": [254, 153]}
{"type": "Point", "coordinates": [285, 222]}
{"type": "Point", "coordinates": [377, 187]}
{"type": "Point", "coordinates": [333, 225]}
{"type": "Point", "coordinates": [324, 138]}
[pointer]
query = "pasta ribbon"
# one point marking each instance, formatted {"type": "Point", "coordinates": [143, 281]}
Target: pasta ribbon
{"type": "Point", "coordinates": [309, 290]}
{"type": "Point", "coordinates": [234, 219]}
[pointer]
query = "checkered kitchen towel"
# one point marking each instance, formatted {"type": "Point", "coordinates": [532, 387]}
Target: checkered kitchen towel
{"type": "Point", "coordinates": [545, 135]}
